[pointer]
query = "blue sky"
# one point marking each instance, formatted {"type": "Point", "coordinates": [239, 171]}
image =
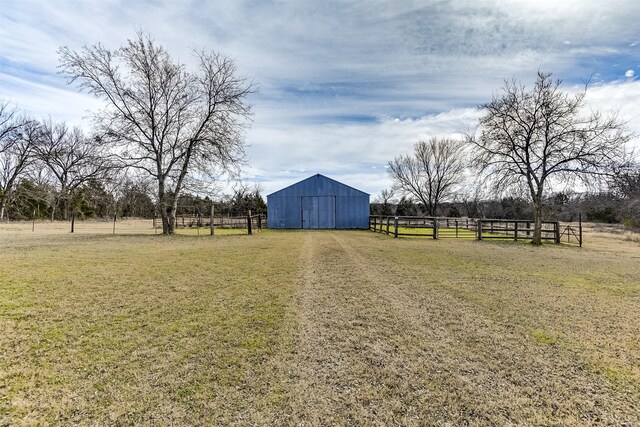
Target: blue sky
{"type": "Point", "coordinates": [344, 86]}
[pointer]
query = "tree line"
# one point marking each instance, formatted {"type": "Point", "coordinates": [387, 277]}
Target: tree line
{"type": "Point", "coordinates": [609, 207]}
{"type": "Point", "coordinates": [530, 145]}
{"type": "Point", "coordinates": [46, 166]}
{"type": "Point", "coordinates": [51, 171]}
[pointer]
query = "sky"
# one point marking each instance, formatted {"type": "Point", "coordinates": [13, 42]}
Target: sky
{"type": "Point", "coordinates": [344, 86]}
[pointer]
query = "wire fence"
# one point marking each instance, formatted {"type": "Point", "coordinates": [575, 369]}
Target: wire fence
{"type": "Point", "coordinates": [133, 226]}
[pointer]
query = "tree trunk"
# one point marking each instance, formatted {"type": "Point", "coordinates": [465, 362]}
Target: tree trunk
{"type": "Point", "coordinates": [173, 210]}
{"type": "Point", "coordinates": [64, 206]}
{"type": "Point", "coordinates": [168, 220]}
{"type": "Point", "coordinates": [167, 210]}
{"type": "Point", "coordinates": [537, 217]}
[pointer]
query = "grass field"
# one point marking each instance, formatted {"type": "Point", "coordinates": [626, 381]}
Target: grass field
{"type": "Point", "coordinates": [315, 328]}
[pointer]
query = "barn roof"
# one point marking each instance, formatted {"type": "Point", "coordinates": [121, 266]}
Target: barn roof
{"type": "Point", "coordinates": [318, 185]}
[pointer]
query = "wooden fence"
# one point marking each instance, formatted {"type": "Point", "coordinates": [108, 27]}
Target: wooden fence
{"type": "Point", "coordinates": [516, 230]}
{"type": "Point", "coordinates": [469, 228]}
{"type": "Point", "coordinates": [198, 221]}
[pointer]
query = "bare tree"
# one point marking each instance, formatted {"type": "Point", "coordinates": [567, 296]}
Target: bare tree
{"type": "Point", "coordinates": [383, 204]}
{"type": "Point", "coordinates": [473, 198]}
{"type": "Point", "coordinates": [18, 136]}
{"type": "Point", "coordinates": [431, 174]}
{"type": "Point", "coordinates": [162, 119]}
{"type": "Point", "coordinates": [529, 139]}
{"type": "Point", "coordinates": [10, 122]}
{"type": "Point", "coordinates": [73, 159]}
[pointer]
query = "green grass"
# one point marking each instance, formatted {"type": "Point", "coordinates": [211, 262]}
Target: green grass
{"type": "Point", "coordinates": [450, 232]}
{"type": "Point", "coordinates": [428, 231]}
{"type": "Point", "coordinates": [544, 337]}
{"type": "Point", "coordinates": [118, 329]}
{"type": "Point", "coordinates": [444, 232]}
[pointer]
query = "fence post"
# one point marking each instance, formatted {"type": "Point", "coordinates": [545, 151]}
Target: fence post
{"type": "Point", "coordinates": [375, 221]}
{"type": "Point", "coordinates": [388, 220]}
{"type": "Point", "coordinates": [395, 227]}
{"type": "Point", "coordinates": [456, 228]}
{"type": "Point", "coordinates": [249, 223]}
{"type": "Point", "coordinates": [115, 216]}
{"type": "Point", "coordinates": [259, 222]}
{"type": "Point", "coordinates": [435, 228]}
{"type": "Point", "coordinates": [479, 227]}
{"type": "Point", "coordinates": [73, 220]}
{"type": "Point", "coordinates": [580, 228]}
{"type": "Point", "coordinates": [515, 231]}
{"type": "Point", "coordinates": [212, 228]}
{"type": "Point", "coordinates": [556, 229]}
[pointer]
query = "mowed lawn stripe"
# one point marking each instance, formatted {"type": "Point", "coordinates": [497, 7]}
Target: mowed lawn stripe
{"type": "Point", "coordinates": [509, 359]}
{"type": "Point", "coordinates": [388, 338]}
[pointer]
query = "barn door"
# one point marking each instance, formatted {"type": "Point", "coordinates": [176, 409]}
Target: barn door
{"type": "Point", "coordinates": [319, 212]}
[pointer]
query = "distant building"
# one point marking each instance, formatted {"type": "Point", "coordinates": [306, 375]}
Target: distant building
{"type": "Point", "coordinates": [318, 202]}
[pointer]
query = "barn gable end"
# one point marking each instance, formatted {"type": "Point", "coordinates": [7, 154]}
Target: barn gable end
{"type": "Point", "coordinates": [318, 202]}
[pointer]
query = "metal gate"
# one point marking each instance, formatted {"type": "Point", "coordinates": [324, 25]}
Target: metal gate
{"type": "Point", "coordinates": [318, 212]}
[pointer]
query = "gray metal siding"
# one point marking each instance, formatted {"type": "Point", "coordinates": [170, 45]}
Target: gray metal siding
{"type": "Point", "coordinates": [318, 202]}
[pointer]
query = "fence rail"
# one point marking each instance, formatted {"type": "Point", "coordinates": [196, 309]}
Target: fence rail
{"type": "Point", "coordinates": [516, 230]}
{"type": "Point", "coordinates": [203, 221]}
{"type": "Point", "coordinates": [471, 228]}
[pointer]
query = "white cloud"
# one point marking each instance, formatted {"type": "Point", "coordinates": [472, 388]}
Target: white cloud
{"type": "Point", "coordinates": [40, 99]}
{"type": "Point", "coordinates": [629, 74]}
{"type": "Point", "coordinates": [622, 99]}
{"type": "Point", "coordinates": [349, 151]}
{"type": "Point", "coordinates": [413, 68]}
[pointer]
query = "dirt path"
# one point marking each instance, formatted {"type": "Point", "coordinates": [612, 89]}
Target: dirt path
{"type": "Point", "coordinates": [386, 344]}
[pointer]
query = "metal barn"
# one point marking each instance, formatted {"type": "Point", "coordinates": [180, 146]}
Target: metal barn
{"type": "Point", "coordinates": [318, 202]}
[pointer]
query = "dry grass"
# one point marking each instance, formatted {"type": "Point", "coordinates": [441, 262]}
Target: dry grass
{"type": "Point", "coordinates": [631, 237]}
{"type": "Point", "coordinates": [134, 330]}
{"type": "Point", "coordinates": [317, 328]}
